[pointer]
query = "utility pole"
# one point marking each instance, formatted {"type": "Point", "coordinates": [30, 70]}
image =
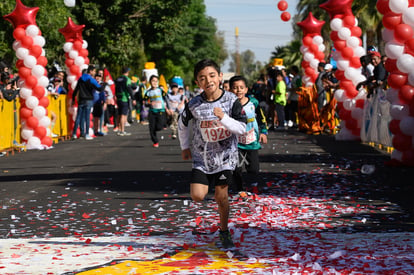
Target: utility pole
{"type": "Point", "coordinates": [237, 51]}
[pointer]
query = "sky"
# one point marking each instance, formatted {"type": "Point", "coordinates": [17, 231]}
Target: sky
{"type": "Point", "coordinates": [259, 23]}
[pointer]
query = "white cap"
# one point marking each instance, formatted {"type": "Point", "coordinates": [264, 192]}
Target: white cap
{"type": "Point", "coordinates": [328, 67]}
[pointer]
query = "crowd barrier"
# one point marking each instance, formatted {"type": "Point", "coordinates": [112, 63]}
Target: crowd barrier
{"type": "Point", "coordinates": [10, 126]}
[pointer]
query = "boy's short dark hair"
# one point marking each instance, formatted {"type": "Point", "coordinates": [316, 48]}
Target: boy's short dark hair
{"type": "Point", "coordinates": [203, 64]}
{"type": "Point", "coordinates": [237, 78]}
{"type": "Point", "coordinates": [153, 76]}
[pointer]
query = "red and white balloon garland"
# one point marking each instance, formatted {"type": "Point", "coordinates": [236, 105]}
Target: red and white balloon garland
{"type": "Point", "coordinates": [398, 34]}
{"type": "Point", "coordinates": [312, 48]}
{"type": "Point", "coordinates": [33, 81]}
{"type": "Point", "coordinates": [346, 38]}
{"type": "Point", "coordinates": [76, 57]}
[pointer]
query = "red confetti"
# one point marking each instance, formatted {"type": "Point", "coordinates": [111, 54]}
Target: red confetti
{"type": "Point", "coordinates": [86, 216]}
{"type": "Point", "coordinates": [88, 241]}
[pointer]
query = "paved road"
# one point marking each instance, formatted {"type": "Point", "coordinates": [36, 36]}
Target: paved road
{"type": "Point", "coordinates": [131, 201]}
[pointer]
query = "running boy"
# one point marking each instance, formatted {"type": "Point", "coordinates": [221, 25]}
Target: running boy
{"type": "Point", "coordinates": [249, 142]}
{"type": "Point", "coordinates": [158, 108]}
{"type": "Point", "coordinates": [217, 120]}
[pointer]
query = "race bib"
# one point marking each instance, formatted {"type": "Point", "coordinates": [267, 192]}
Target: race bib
{"type": "Point", "coordinates": [247, 137]}
{"type": "Point", "coordinates": [174, 104]}
{"type": "Point", "coordinates": [156, 104]}
{"type": "Point", "coordinates": [213, 131]}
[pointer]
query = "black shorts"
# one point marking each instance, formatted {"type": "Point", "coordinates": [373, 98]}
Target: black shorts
{"type": "Point", "coordinates": [123, 108]}
{"type": "Point", "coordinates": [221, 178]}
{"type": "Point", "coordinates": [97, 110]}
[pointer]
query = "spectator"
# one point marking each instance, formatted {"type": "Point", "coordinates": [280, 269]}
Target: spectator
{"type": "Point", "coordinates": [280, 100]}
{"type": "Point", "coordinates": [99, 100]}
{"type": "Point", "coordinates": [84, 94]}
{"type": "Point", "coordinates": [124, 94]}
{"type": "Point", "coordinates": [319, 86]}
{"type": "Point", "coordinates": [175, 103]}
{"type": "Point", "coordinates": [293, 98]}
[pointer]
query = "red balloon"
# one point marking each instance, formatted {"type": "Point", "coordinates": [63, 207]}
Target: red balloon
{"type": "Point", "coordinates": [320, 56]}
{"type": "Point", "coordinates": [20, 63]}
{"type": "Point", "coordinates": [309, 71]}
{"type": "Point", "coordinates": [44, 101]}
{"type": "Point", "coordinates": [356, 131]}
{"type": "Point", "coordinates": [356, 31]}
{"type": "Point", "coordinates": [351, 123]}
{"type": "Point", "coordinates": [25, 112]}
{"type": "Point", "coordinates": [27, 42]}
{"type": "Point", "coordinates": [39, 92]}
{"type": "Point", "coordinates": [77, 45]}
{"type": "Point", "coordinates": [383, 6]}
{"type": "Point", "coordinates": [72, 31]}
{"type": "Point", "coordinates": [285, 16]}
{"type": "Point", "coordinates": [339, 44]}
{"type": "Point", "coordinates": [47, 141]}
{"type": "Point", "coordinates": [408, 157]}
{"type": "Point", "coordinates": [351, 93]}
{"type": "Point", "coordinates": [83, 52]}
{"type": "Point", "coordinates": [19, 33]}
{"type": "Point", "coordinates": [307, 41]}
{"type": "Point", "coordinates": [396, 80]}
{"type": "Point", "coordinates": [340, 75]}
{"type": "Point", "coordinates": [360, 103]}
{"type": "Point", "coordinates": [344, 114]}
{"type": "Point", "coordinates": [31, 81]}
{"type": "Point", "coordinates": [401, 142]}
{"type": "Point", "coordinates": [36, 51]}
{"type": "Point", "coordinates": [32, 122]}
{"type": "Point", "coordinates": [311, 25]}
{"type": "Point", "coordinates": [69, 62]}
{"type": "Point", "coordinates": [394, 127]}
{"type": "Point", "coordinates": [42, 60]}
{"type": "Point", "coordinates": [355, 62]}
{"type": "Point", "coordinates": [313, 48]}
{"type": "Point", "coordinates": [334, 36]}
{"type": "Point", "coordinates": [347, 52]}
{"type": "Point", "coordinates": [40, 132]}
{"type": "Point", "coordinates": [337, 8]}
{"type": "Point", "coordinates": [349, 21]}
{"type": "Point", "coordinates": [22, 15]}
{"type": "Point", "coordinates": [282, 5]}
{"type": "Point", "coordinates": [411, 105]}
{"type": "Point", "coordinates": [346, 84]}
{"type": "Point", "coordinates": [403, 32]}
{"type": "Point", "coordinates": [24, 72]}
{"type": "Point", "coordinates": [391, 65]}
{"type": "Point", "coordinates": [406, 94]}
{"type": "Point", "coordinates": [74, 69]}
{"type": "Point", "coordinates": [391, 20]}
{"type": "Point", "coordinates": [410, 44]}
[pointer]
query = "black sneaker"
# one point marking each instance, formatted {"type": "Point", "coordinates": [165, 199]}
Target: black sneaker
{"type": "Point", "coordinates": [225, 239]}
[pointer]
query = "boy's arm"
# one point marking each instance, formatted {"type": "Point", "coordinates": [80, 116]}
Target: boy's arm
{"type": "Point", "coordinates": [183, 130]}
{"type": "Point", "coordinates": [237, 122]}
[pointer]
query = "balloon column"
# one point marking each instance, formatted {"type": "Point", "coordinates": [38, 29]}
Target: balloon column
{"type": "Point", "coordinates": [33, 81]}
{"type": "Point", "coordinates": [398, 34]}
{"type": "Point", "coordinates": [312, 48]}
{"type": "Point", "coordinates": [346, 39]}
{"type": "Point", "coordinates": [76, 57]}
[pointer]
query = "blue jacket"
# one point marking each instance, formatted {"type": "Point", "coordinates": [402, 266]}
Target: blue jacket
{"type": "Point", "coordinates": [85, 88]}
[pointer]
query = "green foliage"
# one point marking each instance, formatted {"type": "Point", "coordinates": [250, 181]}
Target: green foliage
{"type": "Point", "coordinates": [249, 68]}
{"type": "Point", "coordinates": [173, 34]}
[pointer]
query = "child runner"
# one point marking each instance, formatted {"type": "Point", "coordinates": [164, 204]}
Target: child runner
{"type": "Point", "coordinates": [249, 142]}
{"type": "Point", "coordinates": [217, 120]}
{"type": "Point", "coordinates": [175, 100]}
{"type": "Point", "coordinates": [158, 107]}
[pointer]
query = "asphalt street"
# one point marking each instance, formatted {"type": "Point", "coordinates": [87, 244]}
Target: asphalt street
{"type": "Point", "coordinates": [117, 186]}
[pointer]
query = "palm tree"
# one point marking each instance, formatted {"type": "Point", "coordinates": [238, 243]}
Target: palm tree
{"type": "Point", "coordinates": [290, 53]}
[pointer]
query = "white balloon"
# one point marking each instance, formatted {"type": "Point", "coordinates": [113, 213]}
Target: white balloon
{"type": "Point", "coordinates": [22, 53]}
{"type": "Point", "coordinates": [407, 125]}
{"type": "Point", "coordinates": [399, 111]}
{"type": "Point", "coordinates": [342, 64]}
{"type": "Point", "coordinates": [70, 78]}
{"type": "Point", "coordinates": [39, 112]}
{"type": "Point", "coordinates": [349, 104]}
{"type": "Point", "coordinates": [351, 73]}
{"type": "Point", "coordinates": [79, 61]}
{"type": "Point", "coordinates": [308, 56]}
{"type": "Point", "coordinates": [84, 67]}
{"type": "Point", "coordinates": [336, 24]}
{"type": "Point", "coordinates": [352, 42]}
{"type": "Point", "coordinates": [408, 16]}
{"type": "Point", "coordinates": [73, 54]}
{"type": "Point", "coordinates": [397, 155]}
{"type": "Point", "coordinates": [398, 6]}
{"type": "Point", "coordinates": [303, 49]}
{"type": "Point", "coordinates": [344, 33]}
{"type": "Point", "coordinates": [38, 71]}
{"type": "Point", "coordinates": [411, 78]}
{"type": "Point", "coordinates": [33, 143]}
{"type": "Point", "coordinates": [314, 64]}
{"type": "Point", "coordinates": [44, 121]}
{"type": "Point", "coordinates": [322, 47]}
{"type": "Point", "coordinates": [357, 113]}
{"type": "Point", "coordinates": [32, 30]}
{"type": "Point", "coordinates": [25, 93]}
{"type": "Point", "coordinates": [67, 47]}
{"type": "Point", "coordinates": [359, 51]}
{"type": "Point", "coordinates": [43, 81]}
{"type": "Point", "coordinates": [405, 63]}
{"type": "Point", "coordinates": [39, 40]}
{"type": "Point", "coordinates": [30, 61]}
{"type": "Point", "coordinates": [16, 44]}
{"type": "Point", "coordinates": [32, 102]}
{"type": "Point", "coordinates": [362, 94]}
{"type": "Point", "coordinates": [387, 34]}
{"type": "Point", "coordinates": [26, 133]}
{"type": "Point", "coordinates": [392, 96]}
{"type": "Point", "coordinates": [69, 3]}
{"type": "Point", "coordinates": [394, 49]}
{"type": "Point", "coordinates": [73, 85]}
{"type": "Point", "coordinates": [340, 95]}
{"type": "Point", "coordinates": [85, 44]}
{"type": "Point", "coordinates": [317, 39]}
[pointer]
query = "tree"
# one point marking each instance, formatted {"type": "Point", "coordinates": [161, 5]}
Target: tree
{"type": "Point", "coordinates": [249, 67]}
{"type": "Point", "coordinates": [290, 53]}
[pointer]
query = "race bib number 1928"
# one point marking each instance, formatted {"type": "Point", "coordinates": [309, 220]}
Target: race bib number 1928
{"type": "Point", "coordinates": [213, 131]}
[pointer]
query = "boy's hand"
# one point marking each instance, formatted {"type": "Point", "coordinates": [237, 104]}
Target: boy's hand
{"type": "Point", "coordinates": [186, 154]}
{"type": "Point", "coordinates": [218, 112]}
{"type": "Point", "coordinates": [263, 138]}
